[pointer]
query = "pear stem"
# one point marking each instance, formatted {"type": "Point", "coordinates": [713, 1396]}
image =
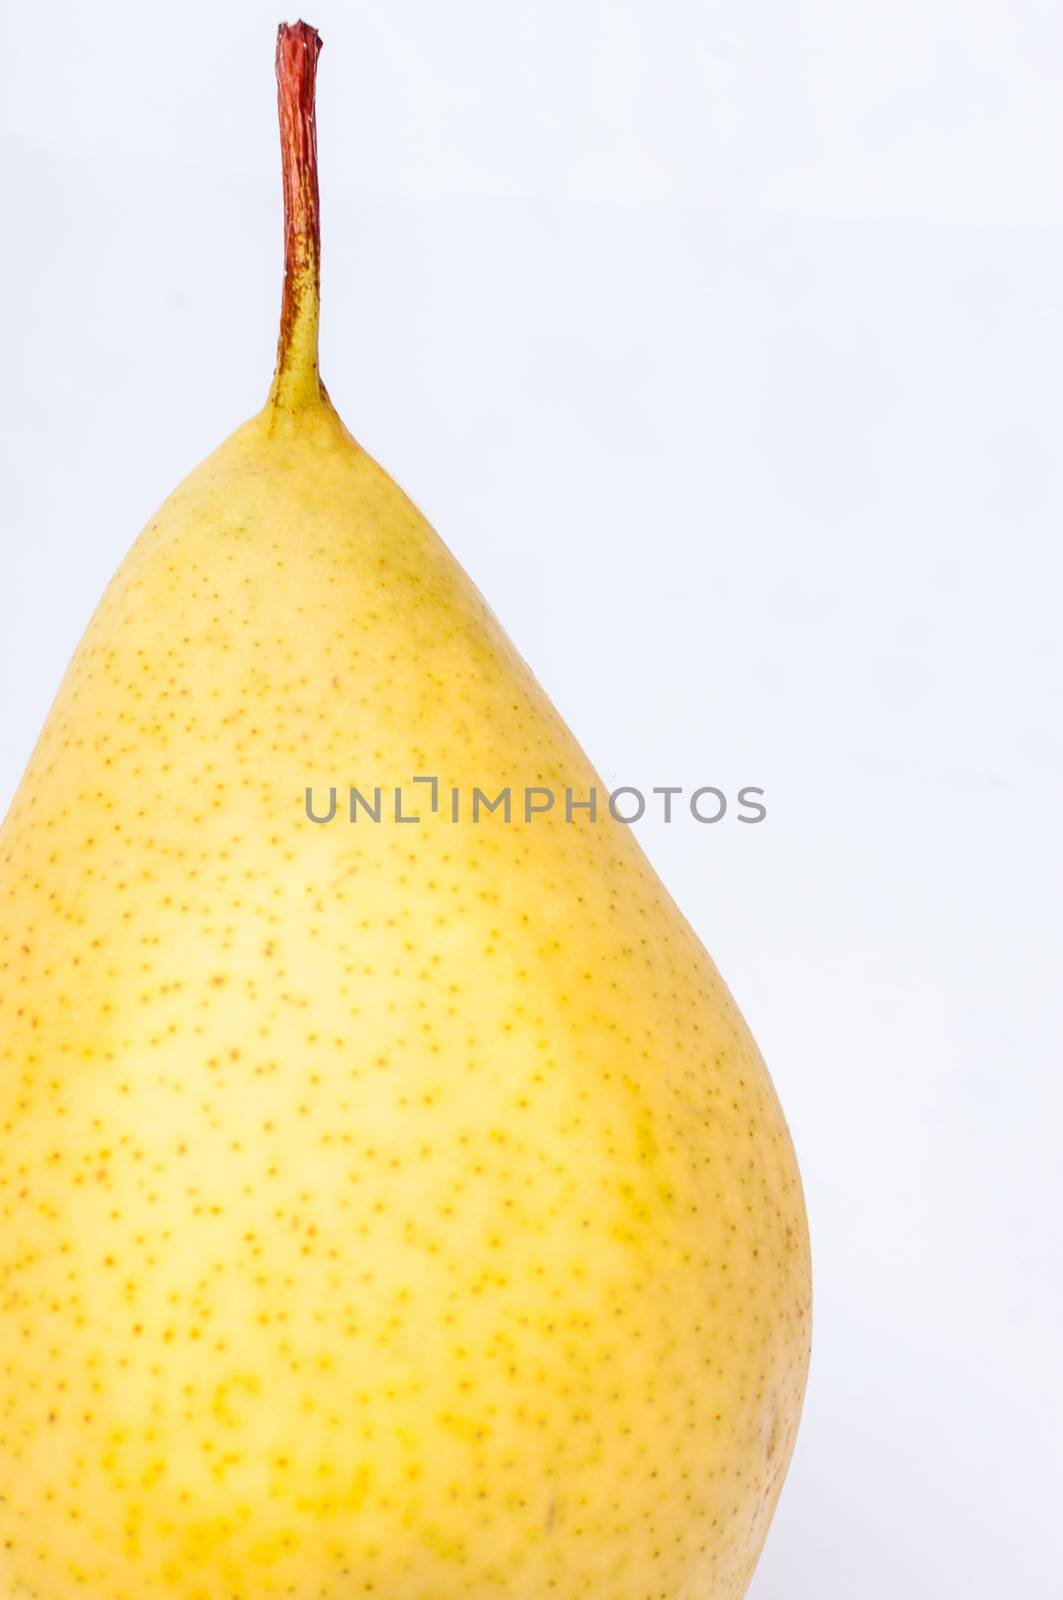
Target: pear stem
{"type": "Point", "coordinates": [296, 381]}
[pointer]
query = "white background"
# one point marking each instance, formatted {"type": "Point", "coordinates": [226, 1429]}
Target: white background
{"type": "Point", "coordinates": [723, 343]}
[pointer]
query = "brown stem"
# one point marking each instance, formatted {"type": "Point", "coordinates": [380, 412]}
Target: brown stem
{"type": "Point", "coordinates": [298, 47]}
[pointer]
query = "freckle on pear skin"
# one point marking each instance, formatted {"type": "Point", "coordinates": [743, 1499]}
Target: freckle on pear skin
{"type": "Point", "coordinates": [390, 1211]}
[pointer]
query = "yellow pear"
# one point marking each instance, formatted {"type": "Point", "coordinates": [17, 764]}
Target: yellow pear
{"type": "Point", "coordinates": [392, 1209]}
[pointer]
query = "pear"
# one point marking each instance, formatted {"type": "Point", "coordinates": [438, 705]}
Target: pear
{"type": "Point", "coordinates": [387, 1208]}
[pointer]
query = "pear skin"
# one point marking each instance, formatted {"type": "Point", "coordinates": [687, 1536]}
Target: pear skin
{"type": "Point", "coordinates": [386, 1209]}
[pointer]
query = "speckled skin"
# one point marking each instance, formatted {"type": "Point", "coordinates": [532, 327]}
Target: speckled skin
{"type": "Point", "coordinates": [385, 1210]}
